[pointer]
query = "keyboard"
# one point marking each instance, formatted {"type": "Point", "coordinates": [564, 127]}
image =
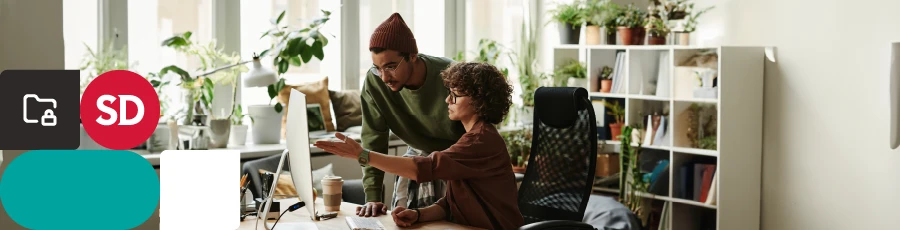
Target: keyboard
{"type": "Point", "coordinates": [362, 223]}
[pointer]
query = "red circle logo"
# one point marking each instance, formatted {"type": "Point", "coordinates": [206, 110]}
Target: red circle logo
{"type": "Point", "coordinates": [119, 110]}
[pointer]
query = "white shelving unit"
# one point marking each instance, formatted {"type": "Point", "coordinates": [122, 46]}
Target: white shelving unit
{"type": "Point", "coordinates": [655, 81]}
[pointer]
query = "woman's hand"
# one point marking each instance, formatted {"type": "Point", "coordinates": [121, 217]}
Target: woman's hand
{"type": "Point", "coordinates": [404, 217]}
{"type": "Point", "coordinates": [347, 147]}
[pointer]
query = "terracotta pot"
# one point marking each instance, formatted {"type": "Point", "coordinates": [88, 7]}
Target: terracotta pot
{"type": "Point", "coordinates": [615, 130]}
{"type": "Point", "coordinates": [592, 35]}
{"type": "Point", "coordinates": [517, 169]}
{"type": "Point", "coordinates": [656, 40]}
{"type": "Point", "coordinates": [605, 86]}
{"type": "Point", "coordinates": [632, 36]}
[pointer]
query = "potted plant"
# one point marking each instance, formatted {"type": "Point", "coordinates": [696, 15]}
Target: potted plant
{"type": "Point", "coordinates": [631, 25]}
{"type": "Point", "coordinates": [657, 30]}
{"type": "Point", "coordinates": [609, 18]}
{"type": "Point", "coordinates": [525, 60]}
{"type": "Point", "coordinates": [238, 129]}
{"type": "Point", "coordinates": [605, 79]}
{"type": "Point", "coordinates": [594, 10]}
{"type": "Point", "coordinates": [618, 112]}
{"type": "Point", "coordinates": [690, 24]}
{"type": "Point", "coordinates": [632, 183]}
{"type": "Point", "coordinates": [518, 144]}
{"type": "Point", "coordinates": [572, 74]}
{"type": "Point", "coordinates": [569, 17]}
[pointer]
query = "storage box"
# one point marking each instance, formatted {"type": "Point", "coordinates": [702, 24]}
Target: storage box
{"type": "Point", "coordinates": [607, 164]}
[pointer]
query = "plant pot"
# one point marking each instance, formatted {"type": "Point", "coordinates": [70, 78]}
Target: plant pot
{"type": "Point", "coordinates": [219, 132]}
{"type": "Point", "coordinates": [517, 169]}
{"type": "Point", "coordinates": [683, 38]}
{"type": "Point", "coordinates": [610, 36]}
{"type": "Point", "coordinates": [592, 35]}
{"type": "Point", "coordinates": [238, 135]}
{"type": "Point", "coordinates": [615, 129]}
{"type": "Point", "coordinates": [632, 36]}
{"type": "Point", "coordinates": [656, 40]}
{"type": "Point", "coordinates": [569, 34]}
{"type": "Point", "coordinates": [266, 127]}
{"type": "Point", "coordinates": [605, 86]}
{"type": "Point", "coordinates": [577, 82]}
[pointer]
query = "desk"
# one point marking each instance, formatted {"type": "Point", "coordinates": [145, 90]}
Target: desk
{"type": "Point", "coordinates": [347, 209]}
{"type": "Point", "coordinates": [251, 151]}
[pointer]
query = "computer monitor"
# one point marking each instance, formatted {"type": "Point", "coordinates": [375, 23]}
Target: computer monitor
{"type": "Point", "coordinates": [297, 138]}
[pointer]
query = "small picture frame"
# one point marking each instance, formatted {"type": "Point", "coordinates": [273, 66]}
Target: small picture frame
{"type": "Point", "coordinates": [315, 119]}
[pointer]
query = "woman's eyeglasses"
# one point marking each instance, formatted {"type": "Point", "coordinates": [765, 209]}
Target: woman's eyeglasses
{"type": "Point", "coordinates": [453, 96]}
{"type": "Point", "coordinates": [391, 70]}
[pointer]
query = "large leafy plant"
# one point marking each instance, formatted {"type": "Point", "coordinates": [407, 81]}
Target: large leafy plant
{"type": "Point", "coordinates": [293, 46]}
{"type": "Point", "coordinates": [488, 52]}
{"type": "Point", "coordinates": [216, 67]}
{"type": "Point", "coordinates": [518, 144]}
{"type": "Point", "coordinates": [525, 60]}
{"type": "Point", "coordinates": [616, 110]}
{"type": "Point", "coordinates": [631, 182]}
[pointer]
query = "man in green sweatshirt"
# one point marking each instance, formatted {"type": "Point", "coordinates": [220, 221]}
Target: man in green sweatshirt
{"type": "Point", "coordinates": [403, 93]}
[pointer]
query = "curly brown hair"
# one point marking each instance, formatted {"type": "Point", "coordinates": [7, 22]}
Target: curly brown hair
{"type": "Point", "coordinates": [491, 94]}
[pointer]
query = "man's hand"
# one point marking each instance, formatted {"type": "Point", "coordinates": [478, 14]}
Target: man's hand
{"type": "Point", "coordinates": [345, 147]}
{"type": "Point", "coordinates": [404, 217]}
{"type": "Point", "coordinates": [371, 209]}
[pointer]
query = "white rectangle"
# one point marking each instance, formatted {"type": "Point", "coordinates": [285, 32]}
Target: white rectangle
{"type": "Point", "coordinates": [197, 189]}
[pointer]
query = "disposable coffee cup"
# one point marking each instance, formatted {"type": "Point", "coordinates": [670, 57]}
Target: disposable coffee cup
{"type": "Point", "coordinates": [331, 192]}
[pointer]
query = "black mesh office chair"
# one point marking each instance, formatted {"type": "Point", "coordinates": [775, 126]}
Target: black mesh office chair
{"type": "Point", "coordinates": [560, 172]}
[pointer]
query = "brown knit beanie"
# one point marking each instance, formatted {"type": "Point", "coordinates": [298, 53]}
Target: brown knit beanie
{"type": "Point", "coordinates": [393, 34]}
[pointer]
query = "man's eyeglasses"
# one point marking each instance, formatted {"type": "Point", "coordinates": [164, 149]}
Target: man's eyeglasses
{"type": "Point", "coordinates": [390, 70]}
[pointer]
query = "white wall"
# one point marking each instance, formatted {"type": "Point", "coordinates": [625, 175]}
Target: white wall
{"type": "Point", "coordinates": [826, 162]}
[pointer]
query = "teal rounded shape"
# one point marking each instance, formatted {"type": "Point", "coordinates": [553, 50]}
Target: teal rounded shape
{"type": "Point", "coordinates": [79, 189]}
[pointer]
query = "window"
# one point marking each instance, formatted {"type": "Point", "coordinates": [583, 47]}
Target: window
{"type": "Point", "coordinates": [426, 20]}
{"type": "Point", "coordinates": [505, 27]}
{"type": "Point", "coordinates": [255, 21]}
{"type": "Point", "coordinates": [81, 23]}
{"type": "Point", "coordinates": [152, 21]}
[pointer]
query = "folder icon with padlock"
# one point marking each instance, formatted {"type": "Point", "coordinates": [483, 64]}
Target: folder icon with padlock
{"type": "Point", "coordinates": [48, 119]}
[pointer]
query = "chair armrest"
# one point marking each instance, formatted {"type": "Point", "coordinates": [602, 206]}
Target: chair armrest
{"type": "Point", "coordinates": [557, 224]}
{"type": "Point", "coordinates": [353, 192]}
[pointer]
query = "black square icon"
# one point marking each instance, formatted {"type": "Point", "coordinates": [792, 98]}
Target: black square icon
{"type": "Point", "coordinates": [40, 109]}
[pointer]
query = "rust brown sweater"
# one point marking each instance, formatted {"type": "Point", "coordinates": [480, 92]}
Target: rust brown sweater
{"type": "Point", "coordinates": [481, 190]}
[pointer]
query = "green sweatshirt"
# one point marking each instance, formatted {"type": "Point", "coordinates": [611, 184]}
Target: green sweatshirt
{"type": "Point", "coordinates": [419, 117]}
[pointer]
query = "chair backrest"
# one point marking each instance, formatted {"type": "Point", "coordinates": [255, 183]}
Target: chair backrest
{"type": "Point", "coordinates": [560, 173]}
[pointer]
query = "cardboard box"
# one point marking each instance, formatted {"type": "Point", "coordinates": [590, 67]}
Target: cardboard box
{"type": "Point", "coordinates": [607, 164]}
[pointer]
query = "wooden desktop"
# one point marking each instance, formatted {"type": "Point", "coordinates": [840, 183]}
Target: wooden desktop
{"type": "Point", "coordinates": [290, 219]}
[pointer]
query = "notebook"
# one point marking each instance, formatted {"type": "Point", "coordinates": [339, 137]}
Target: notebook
{"type": "Point", "coordinates": [362, 223]}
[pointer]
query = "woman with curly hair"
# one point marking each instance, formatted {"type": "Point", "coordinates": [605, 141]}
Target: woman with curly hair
{"type": "Point", "coordinates": [481, 190]}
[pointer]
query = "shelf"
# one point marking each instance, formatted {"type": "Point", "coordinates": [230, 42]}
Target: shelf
{"type": "Point", "coordinates": [607, 95]}
{"type": "Point", "coordinates": [631, 47]}
{"type": "Point", "coordinates": [703, 152]}
{"type": "Point", "coordinates": [603, 189]}
{"type": "Point", "coordinates": [698, 100]}
{"type": "Point", "coordinates": [611, 142]}
{"type": "Point", "coordinates": [648, 97]}
{"type": "Point", "coordinates": [657, 147]}
{"type": "Point", "coordinates": [694, 203]}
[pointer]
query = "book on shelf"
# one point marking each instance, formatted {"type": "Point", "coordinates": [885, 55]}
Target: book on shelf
{"type": "Point", "coordinates": [696, 182]}
{"type": "Point", "coordinates": [712, 194]}
{"type": "Point", "coordinates": [618, 74]}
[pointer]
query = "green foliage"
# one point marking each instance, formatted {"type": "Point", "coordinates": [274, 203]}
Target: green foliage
{"type": "Point", "coordinates": [631, 183]}
{"type": "Point", "coordinates": [518, 144]}
{"type": "Point", "coordinates": [573, 13]}
{"type": "Point", "coordinates": [616, 111]}
{"type": "Point", "coordinates": [606, 72]}
{"type": "Point", "coordinates": [488, 52]}
{"type": "Point", "coordinates": [603, 13]}
{"type": "Point", "coordinates": [525, 60]}
{"type": "Point", "coordinates": [690, 24]}
{"type": "Point", "coordinates": [572, 69]}
{"type": "Point", "coordinates": [105, 59]}
{"type": "Point", "coordinates": [158, 83]}
{"type": "Point", "coordinates": [631, 17]}
{"type": "Point", "coordinates": [658, 27]}
{"type": "Point", "coordinates": [213, 70]}
{"type": "Point", "coordinates": [293, 47]}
